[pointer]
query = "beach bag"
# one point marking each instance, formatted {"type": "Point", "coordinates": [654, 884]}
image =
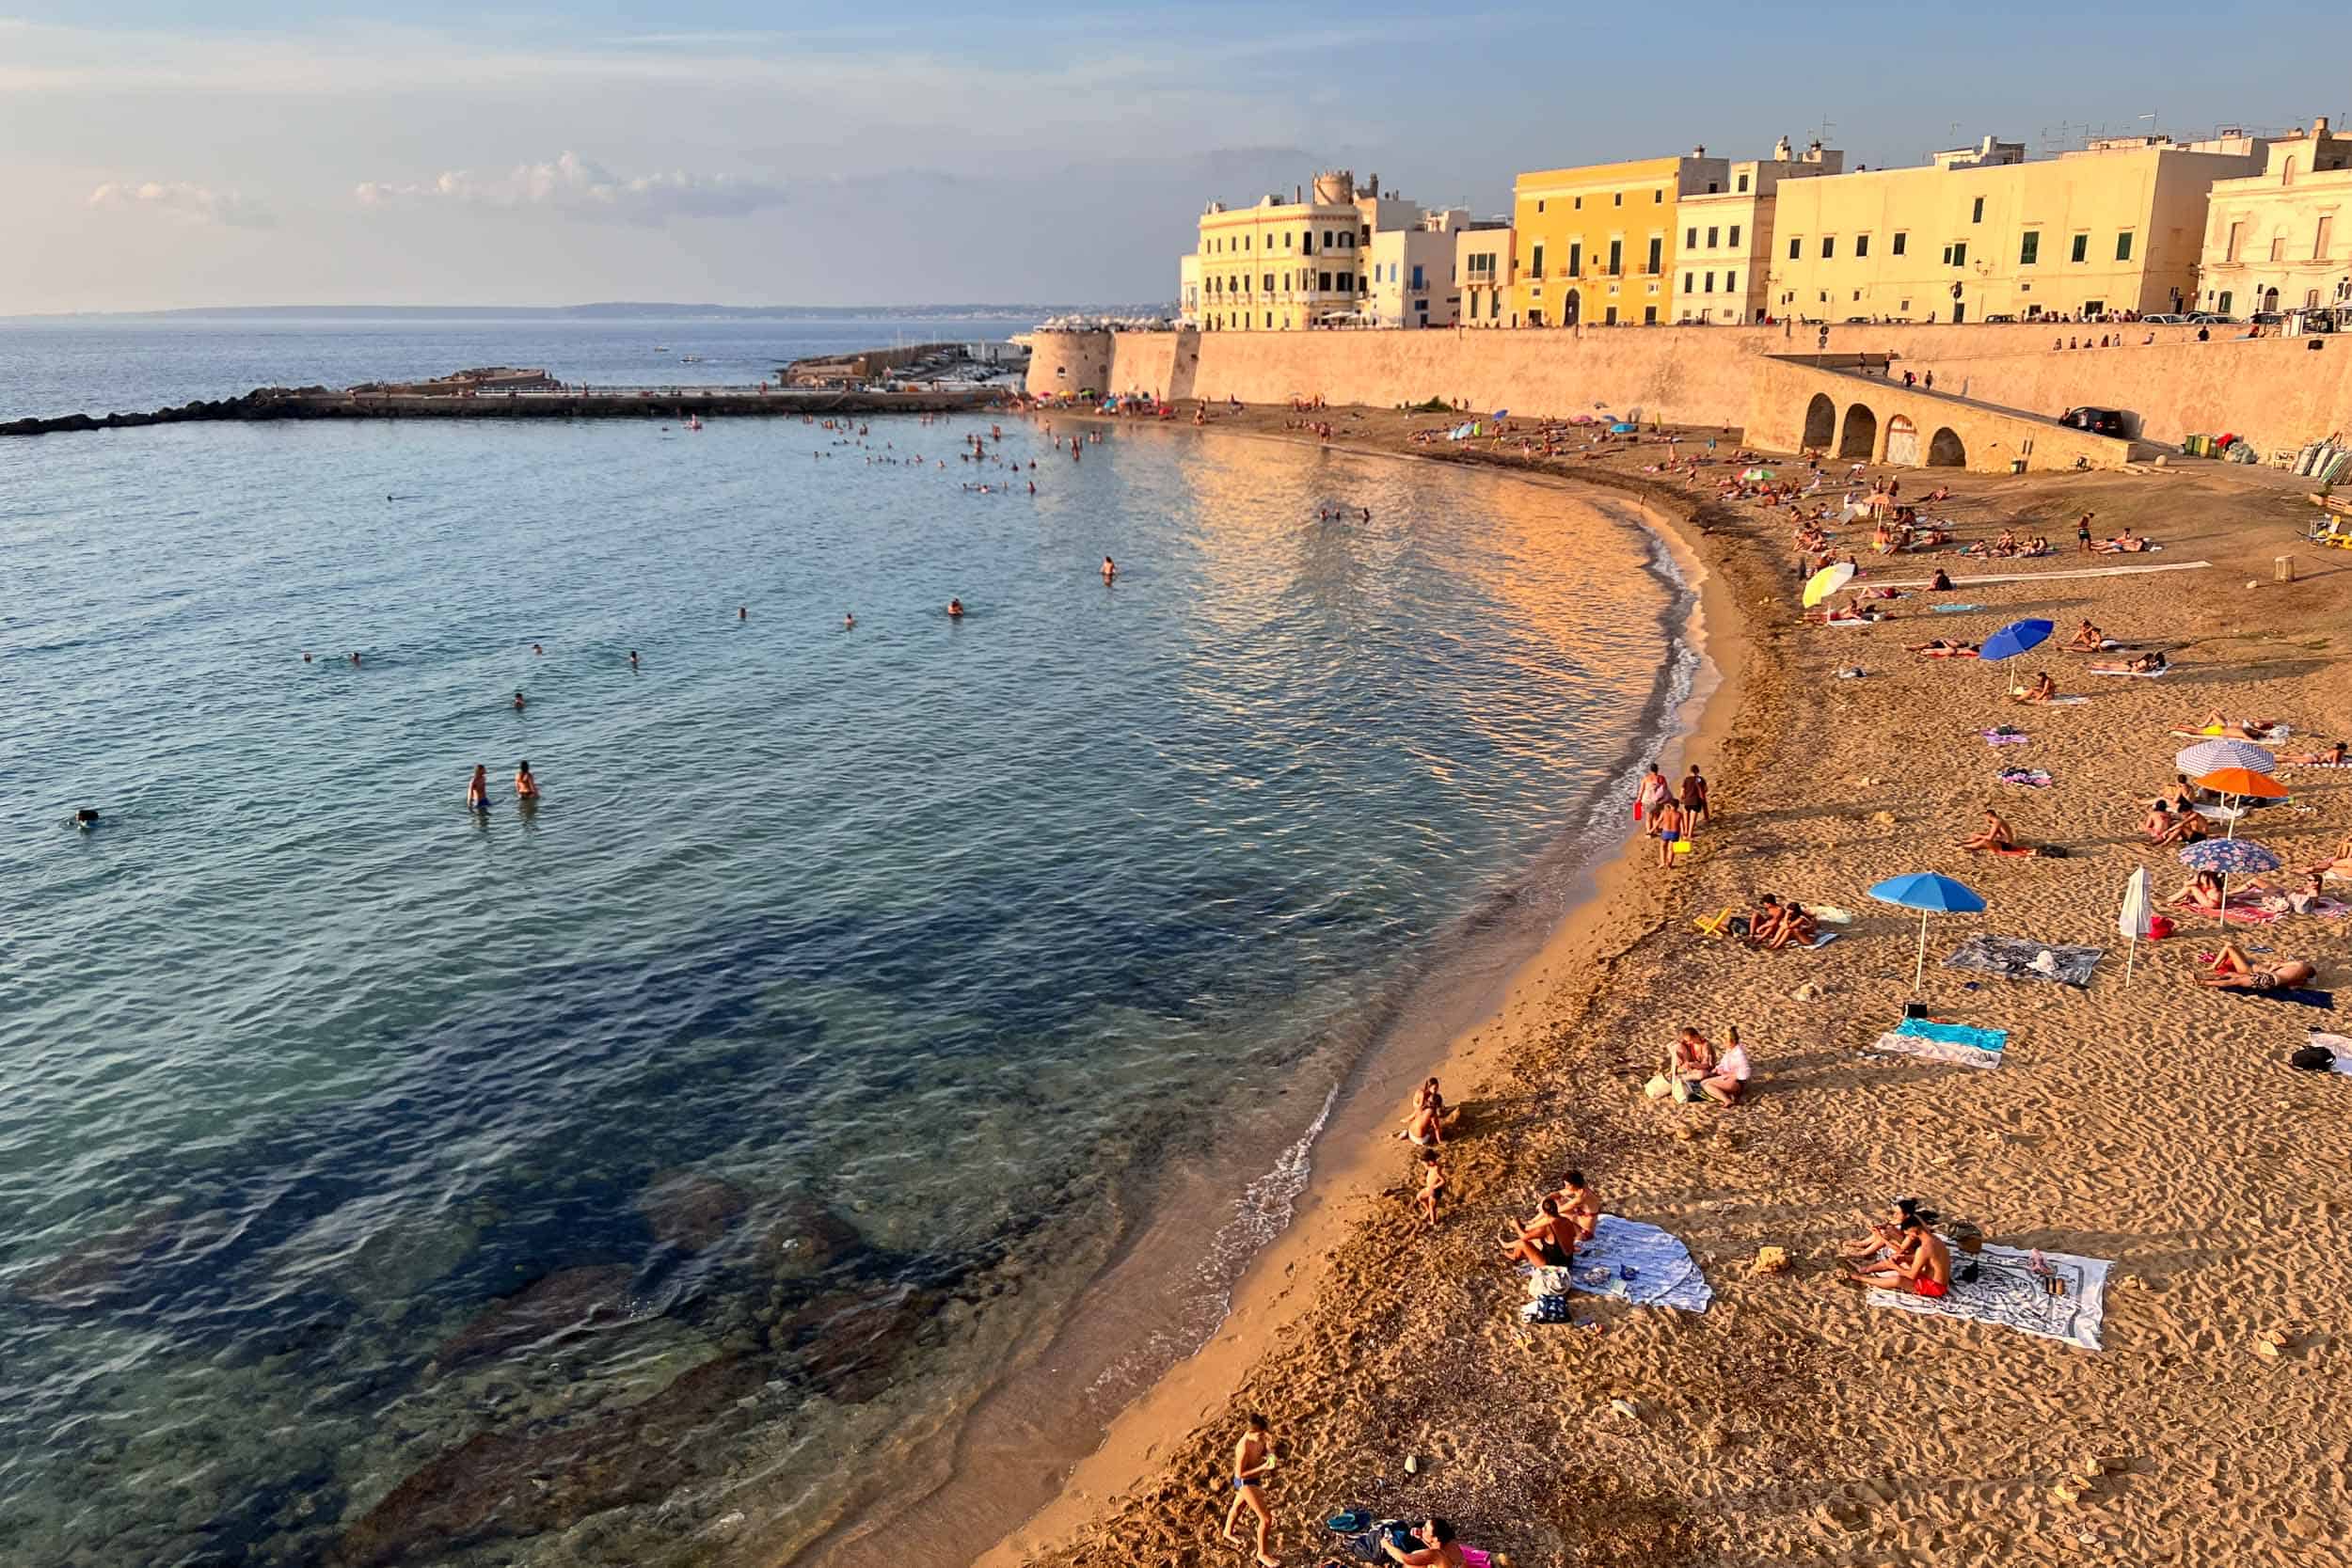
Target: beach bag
{"type": "Point", "coordinates": [2313, 1058]}
{"type": "Point", "coordinates": [2159, 926]}
{"type": "Point", "coordinates": [1659, 1086]}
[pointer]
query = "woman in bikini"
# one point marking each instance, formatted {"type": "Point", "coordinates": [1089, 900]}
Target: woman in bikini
{"type": "Point", "coordinates": [2042, 689]}
{"type": "Point", "coordinates": [1942, 647]}
{"type": "Point", "coordinates": [2241, 729]}
{"type": "Point", "coordinates": [2087, 639]}
{"type": "Point", "coordinates": [1548, 1241]}
{"type": "Point", "coordinates": [2234, 971]}
{"type": "Point", "coordinates": [2203, 893]}
{"type": "Point", "coordinates": [2330, 755]}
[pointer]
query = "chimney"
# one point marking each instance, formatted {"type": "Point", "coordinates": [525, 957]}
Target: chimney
{"type": "Point", "coordinates": [1780, 150]}
{"type": "Point", "coordinates": [2319, 126]}
{"type": "Point", "coordinates": [1372, 185]}
{"type": "Point", "coordinates": [1298, 194]}
{"type": "Point", "coordinates": [1699, 151]}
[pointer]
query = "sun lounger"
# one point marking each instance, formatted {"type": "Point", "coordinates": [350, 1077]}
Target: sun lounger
{"type": "Point", "coordinates": [2007, 1292]}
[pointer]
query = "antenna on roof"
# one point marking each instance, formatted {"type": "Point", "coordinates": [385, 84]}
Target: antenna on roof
{"type": "Point", "coordinates": [1821, 134]}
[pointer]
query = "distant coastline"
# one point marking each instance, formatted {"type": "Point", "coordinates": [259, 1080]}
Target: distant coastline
{"type": "Point", "coordinates": [600, 311]}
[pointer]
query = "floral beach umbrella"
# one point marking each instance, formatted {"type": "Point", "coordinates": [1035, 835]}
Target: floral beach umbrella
{"type": "Point", "coordinates": [2228, 857]}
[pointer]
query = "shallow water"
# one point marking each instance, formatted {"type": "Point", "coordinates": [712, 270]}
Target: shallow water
{"type": "Point", "coordinates": [779, 1082]}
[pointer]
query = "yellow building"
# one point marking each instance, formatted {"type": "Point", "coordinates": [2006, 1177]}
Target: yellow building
{"type": "Point", "coordinates": [1597, 244]}
{"type": "Point", "coordinates": [2281, 240]}
{"type": "Point", "coordinates": [1982, 234]}
{"type": "Point", "coordinates": [1726, 246]}
{"type": "Point", "coordinates": [1285, 266]}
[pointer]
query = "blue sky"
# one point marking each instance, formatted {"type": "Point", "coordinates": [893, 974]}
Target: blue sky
{"type": "Point", "coordinates": [442, 153]}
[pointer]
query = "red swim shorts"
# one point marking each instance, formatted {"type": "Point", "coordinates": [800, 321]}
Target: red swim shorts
{"type": "Point", "coordinates": [1931, 1289]}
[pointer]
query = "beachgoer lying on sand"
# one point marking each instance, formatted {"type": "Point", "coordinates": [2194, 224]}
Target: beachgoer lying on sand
{"type": "Point", "coordinates": [2330, 755]}
{"type": "Point", "coordinates": [1996, 834]}
{"type": "Point", "coordinates": [1432, 1183]}
{"type": "Point", "coordinates": [2087, 639]}
{"type": "Point", "coordinates": [2203, 892]}
{"type": "Point", "coordinates": [2142, 664]}
{"type": "Point", "coordinates": [2339, 865]}
{"type": "Point", "coordinates": [2125, 543]}
{"type": "Point", "coordinates": [2235, 729]}
{"type": "Point", "coordinates": [1943, 647]}
{"type": "Point", "coordinates": [1729, 1079]}
{"type": "Point", "coordinates": [1941, 493]}
{"type": "Point", "coordinates": [1926, 1272]}
{"type": "Point", "coordinates": [1547, 1241]}
{"type": "Point", "coordinates": [2234, 971]}
{"type": "Point", "coordinates": [1438, 1548]}
{"type": "Point", "coordinates": [1885, 1237]}
{"type": "Point", "coordinates": [1580, 1204]}
{"type": "Point", "coordinates": [2040, 690]}
{"type": "Point", "coordinates": [1846, 613]}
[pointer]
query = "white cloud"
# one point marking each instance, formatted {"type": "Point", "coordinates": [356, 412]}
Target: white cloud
{"type": "Point", "coordinates": [573, 184]}
{"type": "Point", "coordinates": [181, 200]}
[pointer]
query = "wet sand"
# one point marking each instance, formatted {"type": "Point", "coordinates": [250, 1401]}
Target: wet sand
{"type": "Point", "coordinates": [2154, 1125]}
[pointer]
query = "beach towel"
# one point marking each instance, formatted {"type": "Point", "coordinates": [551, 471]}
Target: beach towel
{"type": "Point", "coordinates": [1633, 1262]}
{"type": "Point", "coordinates": [1821, 939]}
{"type": "Point", "coordinates": [2016, 959]}
{"type": "Point", "coordinates": [2008, 1295]}
{"type": "Point", "coordinates": [2323, 999]}
{"type": "Point", "coordinates": [2143, 674]}
{"type": "Point", "coordinates": [1958, 1044]}
{"type": "Point", "coordinates": [2061, 702]}
{"type": "Point", "coordinates": [2005, 737]}
{"type": "Point", "coordinates": [1954, 608]}
{"type": "Point", "coordinates": [2032, 778]}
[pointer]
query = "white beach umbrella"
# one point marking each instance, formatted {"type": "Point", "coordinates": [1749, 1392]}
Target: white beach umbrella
{"type": "Point", "coordinates": [2132, 919]}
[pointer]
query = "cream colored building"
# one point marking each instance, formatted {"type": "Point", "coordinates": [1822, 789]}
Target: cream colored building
{"type": "Point", "coordinates": [1484, 259]}
{"type": "Point", "coordinates": [1727, 235]}
{"type": "Point", "coordinates": [1982, 233]}
{"type": "Point", "coordinates": [1283, 266]}
{"type": "Point", "coordinates": [1407, 278]}
{"type": "Point", "coordinates": [2281, 240]}
{"type": "Point", "coordinates": [1188, 290]}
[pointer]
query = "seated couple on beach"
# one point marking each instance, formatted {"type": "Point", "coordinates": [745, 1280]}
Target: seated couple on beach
{"type": "Point", "coordinates": [1425, 1124]}
{"type": "Point", "coordinates": [1698, 1071]}
{"type": "Point", "coordinates": [1773, 925]}
{"type": "Point", "coordinates": [1903, 1253]}
{"type": "Point", "coordinates": [2234, 971]}
{"type": "Point", "coordinates": [1564, 1221]}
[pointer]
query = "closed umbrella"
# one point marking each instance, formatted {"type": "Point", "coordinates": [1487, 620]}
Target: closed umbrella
{"type": "Point", "coordinates": [2241, 785]}
{"type": "Point", "coordinates": [2132, 919]}
{"type": "Point", "coordinates": [2228, 857]}
{"type": "Point", "coordinates": [1828, 580]}
{"type": "Point", "coordinates": [2211, 756]}
{"type": "Point", "coordinates": [1930, 893]}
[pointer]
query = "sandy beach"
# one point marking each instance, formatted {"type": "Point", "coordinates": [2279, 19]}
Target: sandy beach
{"type": "Point", "coordinates": [2155, 1127]}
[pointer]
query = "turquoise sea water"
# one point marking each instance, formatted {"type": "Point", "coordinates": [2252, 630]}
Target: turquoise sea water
{"type": "Point", "coordinates": [591, 1184]}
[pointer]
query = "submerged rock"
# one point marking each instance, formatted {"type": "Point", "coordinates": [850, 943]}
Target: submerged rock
{"type": "Point", "coordinates": [569, 1301]}
{"type": "Point", "coordinates": [804, 1239]}
{"type": "Point", "coordinates": [848, 1343]}
{"type": "Point", "coordinates": [684, 1209]}
{"type": "Point", "coordinates": [85, 1274]}
{"type": "Point", "coordinates": [497, 1485]}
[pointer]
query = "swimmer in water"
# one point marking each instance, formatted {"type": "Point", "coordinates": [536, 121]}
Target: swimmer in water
{"type": "Point", "coordinates": [355, 662]}
{"type": "Point", "coordinates": [955, 609]}
{"type": "Point", "coordinates": [86, 818]}
{"type": "Point", "coordinates": [1110, 569]}
{"type": "Point", "coordinates": [743, 612]}
{"type": "Point", "coordinates": [519, 701]}
{"type": "Point", "coordinates": [305, 659]}
{"type": "Point", "coordinates": [478, 789]}
{"type": "Point", "coordinates": [536, 649]}
{"type": "Point", "coordinates": [849, 621]}
{"type": "Point", "coordinates": [526, 788]}
{"type": "Point", "coordinates": [633, 658]}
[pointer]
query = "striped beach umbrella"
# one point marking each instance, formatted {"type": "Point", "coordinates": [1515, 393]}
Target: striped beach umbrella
{"type": "Point", "coordinates": [2212, 756]}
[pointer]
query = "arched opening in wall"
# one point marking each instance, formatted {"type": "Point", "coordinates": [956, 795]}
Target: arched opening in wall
{"type": "Point", "coordinates": [1861, 438]}
{"type": "Point", "coordinates": [1902, 442]}
{"type": "Point", "coordinates": [2270, 300]}
{"type": "Point", "coordinates": [1944, 451]}
{"type": "Point", "coordinates": [1820, 422]}
{"type": "Point", "coordinates": [1573, 310]}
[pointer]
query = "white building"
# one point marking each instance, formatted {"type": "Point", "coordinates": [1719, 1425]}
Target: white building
{"type": "Point", "coordinates": [1409, 272]}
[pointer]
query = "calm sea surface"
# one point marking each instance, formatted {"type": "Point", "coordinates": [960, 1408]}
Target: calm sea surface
{"type": "Point", "coordinates": [653, 1176]}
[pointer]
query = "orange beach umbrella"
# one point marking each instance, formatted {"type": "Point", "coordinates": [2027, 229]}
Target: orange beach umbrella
{"type": "Point", "coordinates": [2242, 784]}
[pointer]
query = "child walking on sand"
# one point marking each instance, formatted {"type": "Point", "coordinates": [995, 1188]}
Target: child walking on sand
{"type": "Point", "coordinates": [1432, 1183]}
{"type": "Point", "coordinates": [1253, 1460]}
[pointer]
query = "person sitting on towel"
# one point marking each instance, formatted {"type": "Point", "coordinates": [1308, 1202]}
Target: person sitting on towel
{"type": "Point", "coordinates": [2338, 866]}
{"type": "Point", "coordinates": [2234, 971]}
{"type": "Point", "coordinates": [1924, 1272]}
{"type": "Point", "coordinates": [1886, 1237]}
{"type": "Point", "coordinates": [2087, 639]}
{"type": "Point", "coordinates": [1796, 928]}
{"type": "Point", "coordinates": [1580, 1204]}
{"type": "Point", "coordinates": [2204, 892]}
{"type": "Point", "coordinates": [1548, 1241]}
{"type": "Point", "coordinates": [1729, 1081]}
{"type": "Point", "coordinates": [1996, 834]}
{"type": "Point", "coordinates": [1437, 1546]}
{"type": "Point", "coordinates": [2040, 691]}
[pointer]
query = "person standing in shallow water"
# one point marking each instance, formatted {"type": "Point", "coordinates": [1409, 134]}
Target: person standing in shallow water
{"type": "Point", "coordinates": [1110, 569]}
{"type": "Point", "coordinates": [1253, 1460]}
{"type": "Point", "coordinates": [526, 788]}
{"type": "Point", "coordinates": [478, 789]}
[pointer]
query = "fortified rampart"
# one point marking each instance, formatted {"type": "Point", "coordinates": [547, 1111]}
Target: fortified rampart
{"type": "Point", "coordinates": [2275, 391]}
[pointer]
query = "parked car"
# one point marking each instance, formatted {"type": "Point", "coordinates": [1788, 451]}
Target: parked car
{"type": "Point", "coordinates": [2168, 317]}
{"type": "Point", "coordinates": [2099, 421]}
{"type": "Point", "coordinates": [2268, 318]}
{"type": "Point", "coordinates": [2209, 318]}
{"type": "Point", "coordinates": [1995, 321]}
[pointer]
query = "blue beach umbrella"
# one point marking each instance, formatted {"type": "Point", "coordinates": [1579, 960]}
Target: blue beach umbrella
{"type": "Point", "coordinates": [1930, 893]}
{"type": "Point", "coordinates": [2228, 857]}
{"type": "Point", "coordinates": [2014, 639]}
{"type": "Point", "coordinates": [1500, 414]}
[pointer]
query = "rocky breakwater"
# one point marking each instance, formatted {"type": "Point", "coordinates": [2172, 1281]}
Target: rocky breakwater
{"type": "Point", "coordinates": [262, 402]}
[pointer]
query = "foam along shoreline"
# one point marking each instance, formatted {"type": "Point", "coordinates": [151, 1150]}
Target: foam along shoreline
{"type": "Point", "coordinates": [1352, 1164]}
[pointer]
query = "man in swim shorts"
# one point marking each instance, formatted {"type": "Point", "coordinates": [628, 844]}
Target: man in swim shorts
{"type": "Point", "coordinates": [1253, 1460]}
